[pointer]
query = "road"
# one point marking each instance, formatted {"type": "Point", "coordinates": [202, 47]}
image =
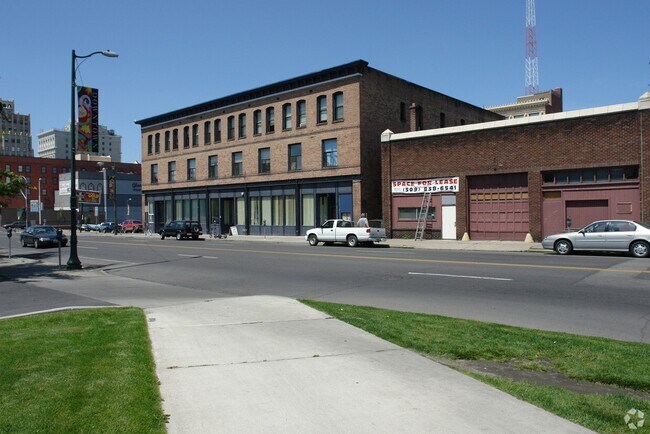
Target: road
{"type": "Point", "coordinates": [598, 295]}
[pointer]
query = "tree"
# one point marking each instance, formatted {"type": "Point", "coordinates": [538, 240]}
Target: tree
{"type": "Point", "coordinates": [10, 186]}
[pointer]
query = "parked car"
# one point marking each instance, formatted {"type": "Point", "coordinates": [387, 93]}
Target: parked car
{"type": "Point", "coordinates": [132, 226]}
{"type": "Point", "coordinates": [106, 227]}
{"type": "Point", "coordinates": [88, 227]}
{"type": "Point", "coordinates": [41, 236]}
{"type": "Point", "coordinates": [343, 231]}
{"type": "Point", "coordinates": [603, 235]}
{"type": "Point", "coordinates": [181, 229]}
{"type": "Point", "coordinates": [18, 224]}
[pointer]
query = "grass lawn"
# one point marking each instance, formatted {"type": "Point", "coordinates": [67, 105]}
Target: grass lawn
{"type": "Point", "coordinates": [595, 360]}
{"type": "Point", "coordinates": [78, 371]}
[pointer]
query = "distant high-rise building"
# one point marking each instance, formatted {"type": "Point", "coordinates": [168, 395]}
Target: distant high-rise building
{"type": "Point", "coordinates": [541, 103]}
{"type": "Point", "coordinates": [15, 131]}
{"type": "Point", "coordinates": [56, 144]}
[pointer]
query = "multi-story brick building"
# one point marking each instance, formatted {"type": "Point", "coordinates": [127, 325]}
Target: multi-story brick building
{"type": "Point", "coordinates": [44, 174]}
{"type": "Point", "coordinates": [532, 175]}
{"type": "Point", "coordinates": [15, 131]}
{"type": "Point", "coordinates": [283, 158]}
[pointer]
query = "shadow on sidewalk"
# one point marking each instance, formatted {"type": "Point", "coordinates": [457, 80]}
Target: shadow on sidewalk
{"type": "Point", "coordinates": [34, 265]}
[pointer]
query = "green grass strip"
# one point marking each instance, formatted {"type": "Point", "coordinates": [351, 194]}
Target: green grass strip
{"type": "Point", "coordinates": [597, 360]}
{"type": "Point", "coordinates": [79, 371]}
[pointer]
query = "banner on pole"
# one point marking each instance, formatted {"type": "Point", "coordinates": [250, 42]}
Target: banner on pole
{"type": "Point", "coordinates": [88, 122]}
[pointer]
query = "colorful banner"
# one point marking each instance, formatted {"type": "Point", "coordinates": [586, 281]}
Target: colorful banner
{"type": "Point", "coordinates": [89, 197]}
{"type": "Point", "coordinates": [435, 185]}
{"type": "Point", "coordinates": [88, 123]}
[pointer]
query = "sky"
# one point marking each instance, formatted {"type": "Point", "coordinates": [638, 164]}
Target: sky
{"type": "Point", "coordinates": [173, 54]}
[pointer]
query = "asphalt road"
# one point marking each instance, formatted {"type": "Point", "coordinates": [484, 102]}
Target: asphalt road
{"type": "Point", "coordinates": [599, 295]}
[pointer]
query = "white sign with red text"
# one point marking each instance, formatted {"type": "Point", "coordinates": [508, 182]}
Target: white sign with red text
{"type": "Point", "coordinates": [435, 185]}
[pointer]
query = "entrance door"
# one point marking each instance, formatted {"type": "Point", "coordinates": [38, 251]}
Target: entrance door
{"type": "Point", "coordinates": [227, 214]}
{"type": "Point", "coordinates": [449, 222]}
{"type": "Point", "coordinates": [326, 208]}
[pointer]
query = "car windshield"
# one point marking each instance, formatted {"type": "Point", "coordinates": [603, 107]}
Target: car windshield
{"type": "Point", "coordinates": [45, 230]}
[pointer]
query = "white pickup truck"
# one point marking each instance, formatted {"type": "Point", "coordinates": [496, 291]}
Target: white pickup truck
{"type": "Point", "coordinates": [343, 231]}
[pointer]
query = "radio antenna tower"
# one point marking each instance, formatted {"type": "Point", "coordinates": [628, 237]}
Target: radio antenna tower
{"type": "Point", "coordinates": [532, 72]}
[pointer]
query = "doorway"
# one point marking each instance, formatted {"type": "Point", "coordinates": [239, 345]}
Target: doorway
{"type": "Point", "coordinates": [326, 207]}
{"type": "Point", "coordinates": [227, 214]}
{"type": "Point", "coordinates": [449, 222]}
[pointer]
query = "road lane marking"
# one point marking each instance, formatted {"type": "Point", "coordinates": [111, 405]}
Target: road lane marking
{"type": "Point", "coordinates": [385, 258]}
{"type": "Point", "coordinates": [459, 276]}
{"type": "Point", "coordinates": [197, 256]}
{"type": "Point", "coordinates": [88, 247]}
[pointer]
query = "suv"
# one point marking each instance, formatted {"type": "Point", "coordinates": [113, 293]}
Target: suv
{"type": "Point", "coordinates": [182, 229]}
{"type": "Point", "coordinates": [132, 226]}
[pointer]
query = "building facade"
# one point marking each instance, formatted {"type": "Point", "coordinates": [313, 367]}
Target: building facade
{"type": "Point", "coordinates": [283, 158]}
{"type": "Point", "coordinates": [533, 175]}
{"type": "Point", "coordinates": [45, 174]}
{"type": "Point", "coordinates": [542, 103]}
{"type": "Point", "coordinates": [15, 131]}
{"type": "Point", "coordinates": [56, 144]}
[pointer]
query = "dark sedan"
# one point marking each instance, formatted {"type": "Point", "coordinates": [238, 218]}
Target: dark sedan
{"type": "Point", "coordinates": [18, 224]}
{"type": "Point", "coordinates": [41, 236]}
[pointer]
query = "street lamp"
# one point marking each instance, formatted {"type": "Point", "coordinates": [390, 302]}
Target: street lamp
{"type": "Point", "coordinates": [128, 208]}
{"type": "Point", "coordinates": [73, 262]}
{"type": "Point", "coordinates": [40, 180]}
{"type": "Point", "coordinates": [114, 200]}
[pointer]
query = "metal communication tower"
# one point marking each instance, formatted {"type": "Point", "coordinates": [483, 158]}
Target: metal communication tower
{"type": "Point", "coordinates": [532, 72]}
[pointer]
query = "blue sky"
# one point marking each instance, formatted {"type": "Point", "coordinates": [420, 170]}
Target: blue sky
{"type": "Point", "coordinates": [178, 53]}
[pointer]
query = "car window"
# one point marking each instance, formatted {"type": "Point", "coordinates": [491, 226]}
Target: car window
{"type": "Point", "coordinates": [596, 227]}
{"type": "Point", "coordinates": [621, 227]}
{"type": "Point", "coordinates": [328, 224]}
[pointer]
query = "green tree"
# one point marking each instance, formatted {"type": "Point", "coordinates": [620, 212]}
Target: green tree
{"type": "Point", "coordinates": [10, 186]}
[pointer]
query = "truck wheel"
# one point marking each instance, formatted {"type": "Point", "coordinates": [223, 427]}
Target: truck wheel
{"type": "Point", "coordinates": [313, 240]}
{"type": "Point", "coordinates": [353, 241]}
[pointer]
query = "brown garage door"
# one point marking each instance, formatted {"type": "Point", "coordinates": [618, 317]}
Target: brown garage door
{"type": "Point", "coordinates": [498, 207]}
{"type": "Point", "coordinates": [583, 212]}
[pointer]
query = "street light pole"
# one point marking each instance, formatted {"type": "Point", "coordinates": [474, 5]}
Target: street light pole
{"type": "Point", "coordinates": [114, 200]}
{"type": "Point", "coordinates": [73, 262]}
{"type": "Point", "coordinates": [40, 221]}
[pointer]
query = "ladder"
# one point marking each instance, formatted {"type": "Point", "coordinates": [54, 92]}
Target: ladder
{"type": "Point", "coordinates": [422, 216]}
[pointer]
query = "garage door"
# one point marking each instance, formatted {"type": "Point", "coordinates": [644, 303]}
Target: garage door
{"type": "Point", "coordinates": [498, 207]}
{"type": "Point", "coordinates": [583, 212]}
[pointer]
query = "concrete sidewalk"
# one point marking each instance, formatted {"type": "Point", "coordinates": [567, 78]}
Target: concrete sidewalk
{"type": "Point", "coordinates": [272, 364]}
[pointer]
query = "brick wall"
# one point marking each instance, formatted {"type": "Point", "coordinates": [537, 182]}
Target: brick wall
{"type": "Point", "coordinates": [596, 141]}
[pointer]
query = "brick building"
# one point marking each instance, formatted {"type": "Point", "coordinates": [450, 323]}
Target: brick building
{"type": "Point", "coordinates": [48, 171]}
{"type": "Point", "coordinates": [532, 175]}
{"type": "Point", "coordinates": [283, 158]}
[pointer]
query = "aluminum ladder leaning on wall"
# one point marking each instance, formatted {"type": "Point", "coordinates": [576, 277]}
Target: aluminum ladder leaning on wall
{"type": "Point", "coordinates": [422, 216]}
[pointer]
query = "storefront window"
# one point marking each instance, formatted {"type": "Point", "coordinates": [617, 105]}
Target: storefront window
{"type": "Point", "coordinates": [278, 211]}
{"type": "Point", "coordinates": [241, 211]}
{"type": "Point", "coordinates": [308, 210]}
{"type": "Point", "coordinates": [266, 210]}
{"type": "Point", "coordinates": [256, 211]}
{"type": "Point", "coordinates": [290, 210]}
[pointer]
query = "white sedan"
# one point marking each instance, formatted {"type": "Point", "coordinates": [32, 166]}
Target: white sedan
{"type": "Point", "coordinates": [603, 235]}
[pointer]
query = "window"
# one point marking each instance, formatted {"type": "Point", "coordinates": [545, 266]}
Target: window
{"type": "Point", "coordinates": [43, 169]}
{"type": "Point", "coordinates": [270, 120]}
{"type": "Point", "coordinates": [442, 120]}
{"type": "Point", "coordinates": [154, 174]}
{"type": "Point", "coordinates": [330, 154]}
{"type": "Point", "coordinates": [231, 127]}
{"type": "Point", "coordinates": [413, 213]}
{"type": "Point", "coordinates": [55, 170]}
{"type": "Point", "coordinates": [419, 119]}
{"type": "Point", "coordinates": [286, 117]}
{"type": "Point", "coordinates": [257, 122]}
{"type": "Point", "coordinates": [237, 164]}
{"type": "Point", "coordinates": [295, 157]}
{"type": "Point", "coordinates": [217, 130]}
{"type": "Point", "coordinates": [242, 125]}
{"type": "Point", "coordinates": [212, 166]}
{"type": "Point", "coordinates": [206, 133]}
{"type": "Point", "coordinates": [157, 144]}
{"type": "Point", "coordinates": [186, 137]}
{"type": "Point", "coordinates": [321, 105]}
{"type": "Point", "coordinates": [264, 160]}
{"type": "Point", "coordinates": [149, 144]}
{"type": "Point", "coordinates": [191, 169]}
{"type": "Point", "coordinates": [402, 112]}
{"type": "Point", "coordinates": [167, 141]}
{"type": "Point", "coordinates": [175, 139]}
{"type": "Point", "coordinates": [582, 176]}
{"type": "Point", "coordinates": [301, 109]}
{"type": "Point", "coordinates": [171, 171]}
{"type": "Point", "coordinates": [338, 106]}
{"type": "Point", "coordinates": [195, 135]}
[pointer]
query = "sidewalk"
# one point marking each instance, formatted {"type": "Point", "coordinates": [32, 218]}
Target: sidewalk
{"type": "Point", "coordinates": [272, 364]}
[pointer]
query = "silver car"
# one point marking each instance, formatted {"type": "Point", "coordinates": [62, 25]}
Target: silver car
{"type": "Point", "coordinates": [603, 235]}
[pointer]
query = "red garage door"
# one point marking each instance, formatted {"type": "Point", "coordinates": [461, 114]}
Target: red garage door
{"type": "Point", "coordinates": [583, 212]}
{"type": "Point", "coordinates": [498, 207]}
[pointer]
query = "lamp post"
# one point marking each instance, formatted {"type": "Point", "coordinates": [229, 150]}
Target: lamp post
{"type": "Point", "coordinates": [73, 262]}
{"type": "Point", "coordinates": [128, 208]}
{"type": "Point", "coordinates": [40, 221]}
{"type": "Point", "coordinates": [114, 200]}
